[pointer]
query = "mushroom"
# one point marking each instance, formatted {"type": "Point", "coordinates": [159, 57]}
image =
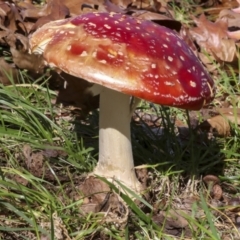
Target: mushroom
{"type": "Point", "coordinates": [129, 58]}
{"type": "Point", "coordinates": [213, 185]}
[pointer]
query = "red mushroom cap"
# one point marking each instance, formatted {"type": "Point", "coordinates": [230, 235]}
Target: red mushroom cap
{"type": "Point", "coordinates": [133, 56]}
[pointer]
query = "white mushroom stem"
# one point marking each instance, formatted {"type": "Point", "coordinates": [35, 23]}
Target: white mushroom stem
{"type": "Point", "coordinates": [115, 148]}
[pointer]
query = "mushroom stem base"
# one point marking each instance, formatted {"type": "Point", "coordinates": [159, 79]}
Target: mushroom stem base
{"type": "Point", "coordinates": [115, 148]}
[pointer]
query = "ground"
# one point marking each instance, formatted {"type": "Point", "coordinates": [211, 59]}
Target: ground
{"type": "Point", "coordinates": [187, 160]}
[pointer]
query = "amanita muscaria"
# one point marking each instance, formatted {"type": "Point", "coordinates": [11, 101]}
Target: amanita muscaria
{"type": "Point", "coordinates": [128, 57]}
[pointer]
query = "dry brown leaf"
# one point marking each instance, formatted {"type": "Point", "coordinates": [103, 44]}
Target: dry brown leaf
{"type": "Point", "coordinates": [237, 9]}
{"type": "Point", "coordinates": [10, 16]}
{"type": "Point", "coordinates": [98, 198]}
{"type": "Point", "coordinates": [207, 4]}
{"type": "Point", "coordinates": [213, 8]}
{"type": "Point", "coordinates": [30, 10]}
{"type": "Point", "coordinates": [217, 125]}
{"type": "Point", "coordinates": [20, 56]}
{"type": "Point", "coordinates": [24, 60]}
{"type": "Point", "coordinates": [221, 125]}
{"type": "Point", "coordinates": [54, 10]}
{"type": "Point", "coordinates": [228, 4]}
{"type": "Point", "coordinates": [3, 34]}
{"type": "Point", "coordinates": [140, 4]}
{"type": "Point", "coordinates": [186, 36]}
{"type": "Point", "coordinates": [231, 16]}
{"type": "Point", "coordinates": [112, 7]}
{"type": "Point", "coordinates": [173, 222]}
{"type": "Point", "coordinates": [142, 175]}
{"type": "Point", "coordinates": [233, 204]}
{"type": "Point", "coordinates": [7, 72]}
{"type": "Point", "coordinates": [76, 7]}
{"type": "Point", "coordinates": [4, 9]}
{"type": "Point", "coordinates": [14, 18]}
{"type": "Point", "coordinates": [34, 161]}
{"type": "Point", "coordinates": [95, 192]}
{"type": "Point", "coordinates": [212, 37]}
{"type": "Point", "coordinates": [208, 63]}
{"type": "Point", "coordinates": [17, 40]}
{"type": "Point", "coordinates": [19, 179]}
{"type": "Point", "coordinates": [175, 218]}
{"type": "Point", "coordinates": [13, 35]}
{"type": "Point", "coordinates": [233, 19]}
{"type": "Point", "coordinates": [161, 19]}
{"type": "Point", "coordinates": [231, 114]}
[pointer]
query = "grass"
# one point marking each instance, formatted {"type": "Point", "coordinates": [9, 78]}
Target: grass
{"type": "Point", "coordinates": [181, 11]}
{"type": "Point", "coordinates": [40, 202]}
{"type": "Point", "coordinates": [37, 191]}
{"type": "Point", "coordinates": [25, 120]}
{"type": "Point", "coordinates": [45, 156]}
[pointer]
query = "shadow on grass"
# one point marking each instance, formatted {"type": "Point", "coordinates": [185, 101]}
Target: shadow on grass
{"type": "Point", "coordinates": [179, 148]}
